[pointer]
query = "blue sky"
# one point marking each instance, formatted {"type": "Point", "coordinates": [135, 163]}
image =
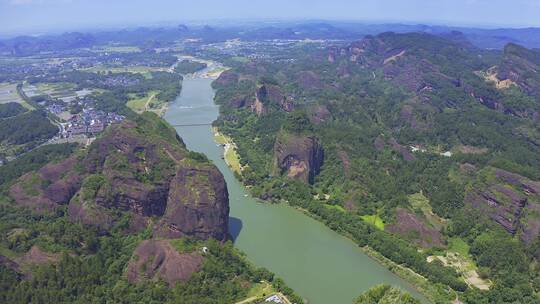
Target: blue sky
{"type": "Point", "coordinates": [38, 16]}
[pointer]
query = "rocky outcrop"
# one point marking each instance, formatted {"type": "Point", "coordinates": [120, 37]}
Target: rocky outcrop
{"type": "Point", "coordinates": [521, 66]}
{"type": "Point", "coordinates": [36, 256]}
{"type": "Point", "coordinates": [159, 260]}
{"type": "Point", "coordinates": [197, 205]}
{"type": "Point", "coordinates": [258, 105]}
{"type": "Point", "coordinates": [411, 227]}
{"type": "Point", "coordinates": [320, 114]}
{"type": "Point", "coordinates": [238, 102]}
{"type": "Point", "coordinates": [269, 95]}
{"type": "Point", "coordinates": [51, 186]}
{"type": "Point", "coordinates": [298, 156]}
{"type": "Point", "coordinates": [404, 151]}
{"type": "Point", "coordinates": [501, 204]}
{"type": "Point", "coordinates": [141, 168]}
{"type": "Point", "coordinates": [511, 201]}
{"type": "Point", "coordinates": [9, 264]}
{"type": "Point", "coordinates": [226, 78]}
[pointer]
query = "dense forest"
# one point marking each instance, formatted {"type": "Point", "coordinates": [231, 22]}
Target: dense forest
{"type": "Point", "coordinates": [189, 66]}
{"type": "Point", "coordinates": [431, 154]}
{"type": "Point", "coordinates": [22, 130]}
{"type": "Point", "coordinates": [53, 252]}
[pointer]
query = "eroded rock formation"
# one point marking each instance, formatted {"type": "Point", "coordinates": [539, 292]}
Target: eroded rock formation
{"type": "Point", "coordinates": [298, 156]}
{"type": "Point", "coordinates": [142, 168]}
{"type": "Point", "coordinates": [411, 227]}
{"type": "Point", "coordinates": [158, 259]}
{"type": "Point", "coordinates": [510, 200]}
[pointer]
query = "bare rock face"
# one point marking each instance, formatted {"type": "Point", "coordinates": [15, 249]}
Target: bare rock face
{"type": "Point", "coordinates": [502, 205]}
{"type": "Point", "coordinates": [51, 186]}
{"type": "Point", "coordinates": [511, 201]}
{"type": "Point", "coordinates": [258, 105]}
{"type": "Point", "coordinates": [297, 156]}
{"type": "Point", "coordinates": [276, 96]}
{"type": "Point", "coordinates": [36, 256]}
{"type": "Point", "coordinates": [141, 168]}
{"type": "Point", "coordinates": [158, 259]}
{"type": "Point", "coordinates": [269, 95]}
{"type": "Point", "coordinates": [411, 227]}
{"type": "Point", "coordinates": [403, 150]}
{"type": "Point", "coordinates": [226, 78]}
{"type": "Point", "coordinates": [8, 263]}
{"type": "Point", "coordinates": [238, 102]}
{"type": "Point", "coordinates": [197, 205]}
{"type": "Point", "coordinates": [320, 114]}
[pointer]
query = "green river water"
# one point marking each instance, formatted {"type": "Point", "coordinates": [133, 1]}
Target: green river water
{"type": "Point", "coordinates": [319, 264]}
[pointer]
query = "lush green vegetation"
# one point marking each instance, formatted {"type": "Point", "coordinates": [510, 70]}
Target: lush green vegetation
{"type": "Point", "coordinates": [11, 109]}
{"type": "Point", "coordinates": [81, 263]}
{"type": "Point", "coordinates": [189, 66]}
{"type": "Point", "coordinates": [372, 118]}
{"type": "Point", "coordinates": [385, 294]}
{"type": "Point", "coordinates": [25, 130]}
{"type": "Point", "coordinates": [33, 160]}
{"type": "Point", "coordinates": [119, 88]}
{"type": "Point", "coordinates": [90, 267]}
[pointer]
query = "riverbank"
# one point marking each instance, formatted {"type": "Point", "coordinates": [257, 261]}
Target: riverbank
{"type": "Point", "coordinates": [230, 155]}
{"type": "Point", "coordinates": [417, 281]}
{"type": "Point", "coordinates": [318, 263]}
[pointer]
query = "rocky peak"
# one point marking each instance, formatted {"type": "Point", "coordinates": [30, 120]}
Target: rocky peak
{"type": "Point", "coordinates": [298, 156]}
{"type": "Point", "coordinates": [140, 167]}
{"type": "Point", "coordinates": [269, 95]}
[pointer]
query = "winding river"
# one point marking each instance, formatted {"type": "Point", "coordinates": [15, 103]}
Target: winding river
{"type": "Point", "coordinates": [319, 264]}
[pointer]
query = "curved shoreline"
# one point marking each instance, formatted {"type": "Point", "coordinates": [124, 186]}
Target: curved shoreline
{"type": "Point", "coordinates": [353, 269]}
{"type": "Point", "coordinates": [405, 273]}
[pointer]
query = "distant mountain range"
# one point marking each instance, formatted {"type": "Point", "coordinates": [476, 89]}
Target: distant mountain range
{"type": "Point", "coordinates": [482, 38]}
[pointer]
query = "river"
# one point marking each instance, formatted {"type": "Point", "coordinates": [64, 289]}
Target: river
{"type": "Point", "coordinates": [318, 263]}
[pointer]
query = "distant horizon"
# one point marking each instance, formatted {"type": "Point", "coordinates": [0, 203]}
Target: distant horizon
{"type": "Point", "coordinates": [33, 17]}
{"type": "Point", "coordinates": [244, 21]}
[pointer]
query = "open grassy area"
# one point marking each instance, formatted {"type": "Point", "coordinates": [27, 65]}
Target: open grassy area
{"type": "Point", "coordinates": [219, 138]}
{"type": "Point", "coordinates": [433, 292]}
{"type": "Point", "coordinates": [232, 158]}
{"type": "Point", "coordinates": [8, 93]}
{"type": "Point", "coordinates": [146, 71]}
{"type": "Point", "coordinates": [374, 220]}
{"type": "Point", "coordinates": [458, 257]}
{"type": "Point", "coordinates": [261, 290]}
{"type": "Point", "coordinates": [420, 202]}
{"type": "Point", "coordinates": [230, 155]}
{"type": "Point", "coordinates": [141, 104]}
{"type": "Point", "coordinates": [459, 246]}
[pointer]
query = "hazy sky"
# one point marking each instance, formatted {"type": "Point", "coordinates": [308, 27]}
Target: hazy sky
{"type": "Point", "coordinates": [36, 16]}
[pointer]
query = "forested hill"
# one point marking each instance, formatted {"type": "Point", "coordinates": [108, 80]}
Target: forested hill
{"type": "Point", "coordinates": [423, 147]}
{"type": "Point", "coordinates": [134, 217]}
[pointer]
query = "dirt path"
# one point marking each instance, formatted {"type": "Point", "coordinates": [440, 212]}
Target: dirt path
{"type": "Point", "coordinates": [248, 300]}
{"type": "Point", "coordinates": [147, 104]}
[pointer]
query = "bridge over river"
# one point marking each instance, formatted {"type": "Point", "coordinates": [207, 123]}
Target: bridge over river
{"type": "Point", "coordinates": [191, 125]}
{"type": "Point", "coordinates": [319, 264]}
